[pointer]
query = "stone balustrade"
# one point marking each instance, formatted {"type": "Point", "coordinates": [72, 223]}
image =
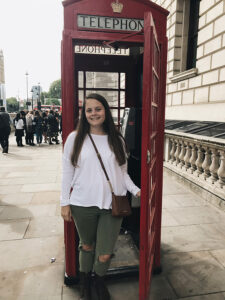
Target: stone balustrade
{"type": "Point", "coordinates": [198, 158]}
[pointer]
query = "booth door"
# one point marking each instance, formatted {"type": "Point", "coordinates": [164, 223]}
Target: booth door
{"type": "Point", "coordinates": [150, 136]}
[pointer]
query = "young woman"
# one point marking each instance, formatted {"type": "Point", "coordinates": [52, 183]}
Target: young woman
{"type": "Point", "coordinates": [90, 201]}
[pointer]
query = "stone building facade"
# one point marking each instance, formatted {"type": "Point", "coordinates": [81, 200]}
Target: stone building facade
{"type": "Point", "coordinates": [195, 92]}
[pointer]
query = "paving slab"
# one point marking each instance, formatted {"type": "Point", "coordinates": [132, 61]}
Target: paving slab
{"type": "Point", "coordinates": [168, 219]}
{"type": "Point", "coordinates": [196, 215]}
{"type": "Point", "coordinates": [26, 253]}
{"type": "Point", "coordinates": [12, 189]}
{"type": "Point", "coordinates": [40, 187]}
{"type": "Point", "coordinates": [161, 289]}
{"type": "Point", "coordinates": [18, 199]}
{"type": "Point", "coordinates": [194, 273]}
{"type": "Point", "coordinates": [45, 197]}
{"type": "Point", "coordinates": [42, 282]}
{"type": "Point", "coordinates": [192, 238]}
{"type": "Point", "coordinates": [37, 227]}
{"type": "Point", "coordinates": [13, 230]}
{"type": "Point", "coordinates": [217, 296]}
{"type": "Point", "coordinates": [27, 211]}
{"type": "Point", "coordinates": [182, 200]}
{"type": "Point", "coordinates": [219, 255]}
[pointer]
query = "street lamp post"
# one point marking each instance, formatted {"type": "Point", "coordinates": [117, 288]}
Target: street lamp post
{"type": "Point", "coordinates": [27, 86]}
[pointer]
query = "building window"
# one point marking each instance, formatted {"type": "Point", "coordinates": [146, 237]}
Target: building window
{"type": "Point", "coordinates": [186, 39]}
{"type": "Point", "coordinates": [192, 34]}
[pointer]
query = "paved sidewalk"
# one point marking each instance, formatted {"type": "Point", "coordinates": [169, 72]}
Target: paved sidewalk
{"type": "Point", "coordinates": [31, 233]}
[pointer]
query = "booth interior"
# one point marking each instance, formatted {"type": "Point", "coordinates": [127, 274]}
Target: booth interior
{"type": "Point", "coordinates": [115, 71]}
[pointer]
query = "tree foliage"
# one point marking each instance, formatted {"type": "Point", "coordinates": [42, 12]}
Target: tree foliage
{"type": "Point", "coordinates": [12, 104]}
{"type": "Point", "coordinates": [52, 101]}
{"type": "Point", "coordinates": [55, 89]}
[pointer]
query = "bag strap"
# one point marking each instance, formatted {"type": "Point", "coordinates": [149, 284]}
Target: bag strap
{"type": "Point", "coordinates": [101, 162]}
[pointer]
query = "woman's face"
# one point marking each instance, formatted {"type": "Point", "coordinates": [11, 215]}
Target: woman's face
{"type": "Point", "coordinates": [95, 112]}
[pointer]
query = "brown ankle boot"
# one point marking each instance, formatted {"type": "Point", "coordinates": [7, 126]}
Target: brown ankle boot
{"type": "Point", "coordinates": [85, 286]}
{"type": "Point", "coordinates": [101, 289]}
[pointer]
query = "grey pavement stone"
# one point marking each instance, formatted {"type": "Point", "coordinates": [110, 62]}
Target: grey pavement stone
{"type": "Point", "coordinates": [27, 211]}
{"type": "Point", "coordinates": [161, 289]}
{"type": "Point", "coordinates": [168, 219]}
{"type": "Point", "coordinates": [219, 255]}
{"type": "Point", "coordinates": [196, 215]}
{"type": "Point", "coordinates": [10, 230]}
{"type": "Point", "coordinates": [192, 238]}
{"type": "Point", "coordinates": [174, 189]}
{"type": "Point", "coordinates": [40, 187]}
{"type": "Point", "coordinates": [182, 200]}
{"type": "Point", "coordinates": [194, 273]}
{"type": "Point", "coordinates": [42, 282]}
{"type": "Point", "coordinates": [27, 253]}
{"type": "Point", "coordinates": [12, 189]}
{"type": "Point", "coordinates": [22, 174]}
{"type": "Point", "coordinates": [217, 296]}
{"type": "Point", "coordinates": [18, 199]}
{"type": "Point", "coordinates": [45, 197]}
{"type": "Point", "coordinates": [38, 228]}
{"type": "Point", "coordinates": [32, 180]}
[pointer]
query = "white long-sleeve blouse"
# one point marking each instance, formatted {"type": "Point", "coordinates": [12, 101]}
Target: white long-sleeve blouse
{"type": "Point", "coordinates": [87, 180]}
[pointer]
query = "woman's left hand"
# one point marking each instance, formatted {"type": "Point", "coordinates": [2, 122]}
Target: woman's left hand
{"type": "Point", "coordinates": [138, 194]}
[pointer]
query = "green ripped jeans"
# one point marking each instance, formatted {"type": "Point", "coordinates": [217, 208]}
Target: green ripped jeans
{"type": "Point", "coordinates": [97, 228]}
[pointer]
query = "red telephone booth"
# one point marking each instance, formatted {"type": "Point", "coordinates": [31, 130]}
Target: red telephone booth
{"type": "Point", "coordinates": [126, 38]}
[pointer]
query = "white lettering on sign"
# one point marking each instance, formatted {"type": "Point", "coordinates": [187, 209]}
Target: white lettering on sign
{"type": "Point", "coordinates": [99, 22]}
{"type": "Point", "coordinates": [101, 50]}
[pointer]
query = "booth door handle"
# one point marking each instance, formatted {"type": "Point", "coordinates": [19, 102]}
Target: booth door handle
{"type": "Point", "coordinates": [148, 156]}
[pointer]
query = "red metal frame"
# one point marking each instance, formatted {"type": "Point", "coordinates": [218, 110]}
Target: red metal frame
{"type": "Point", "coordinates": [72, 35]}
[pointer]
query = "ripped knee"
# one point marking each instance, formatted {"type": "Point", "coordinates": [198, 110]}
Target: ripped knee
{"type": "Point", "coordinates": [104, 258]}
{"type": "Point", "coordinates": [86, 248]}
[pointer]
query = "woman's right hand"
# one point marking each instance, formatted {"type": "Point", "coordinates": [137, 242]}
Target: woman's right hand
{"type": "Point", "coordinates": [66, 213]}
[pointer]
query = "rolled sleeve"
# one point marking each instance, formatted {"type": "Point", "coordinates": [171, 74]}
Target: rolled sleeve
{"type": "Point", "coordinates": [131, 187]}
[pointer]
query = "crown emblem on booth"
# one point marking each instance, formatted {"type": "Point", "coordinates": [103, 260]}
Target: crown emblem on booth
{"type": "Point", "coordinates": [117, 7]}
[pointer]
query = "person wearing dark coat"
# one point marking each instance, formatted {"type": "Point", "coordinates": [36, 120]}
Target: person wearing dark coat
{"type": "Point", "coordinates": [4, 129]}
{"type": "Point", "coordinates": [52, 128]}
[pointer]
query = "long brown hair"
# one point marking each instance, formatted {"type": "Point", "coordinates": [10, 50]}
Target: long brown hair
{"type": "Point", "coordinates": [115, 139]}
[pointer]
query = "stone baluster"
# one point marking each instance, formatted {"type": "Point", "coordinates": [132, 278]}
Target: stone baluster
{"type": "Point", "coordinates": [193, 158]}
{"type": "Point", "coordinates": [187, 156]}
{"type": "Point", "coordinates": [214, 166]}
{"type": "Point", "coordinates": [199, 160]}
{"type": "Point", "coordinates": [172, 158]}
{"type": "Point", "coordinates": [207, 162]}
{"type": "Point", "coordinates": [182, 154]}
{"type": "Point", "coordinates": [177, 153]}
{"type": "Point", "coordinates": [221, 170]}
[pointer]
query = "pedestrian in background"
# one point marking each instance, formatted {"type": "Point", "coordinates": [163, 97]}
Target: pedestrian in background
{"type": "Point", "coordinates": [52, 128]}
{"type": "Point", "coordinates": [30, 128]}
{"type": "Point", "coordinates": [45, 122]}
{"type": "Point", "coordinates": [38, 127]}
{"type": "Point", "coordinates": [23, 116]}
{"type": "Point", "coordinates": [19, 132]}
{"type": "Point", "coordinates": [90, 201]}
{"type": "Point", "coordinates": [4, 129]}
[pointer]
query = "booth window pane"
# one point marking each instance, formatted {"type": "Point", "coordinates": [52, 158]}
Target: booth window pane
{"type": "Point", "coordinates": [114, 113]}
{"type": "Point", "coordinates": [102, 80]}
{"type": "Point", "coordinates": [81, 98]}
{"type": "Point", "coordinates": [110, 96]}
{"type": "Point", "coordinates": [80, 79]}
{"type": "Point", "coordinates": [122, 99]}
{"type": "Point", "coordinates": [122, 80]}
